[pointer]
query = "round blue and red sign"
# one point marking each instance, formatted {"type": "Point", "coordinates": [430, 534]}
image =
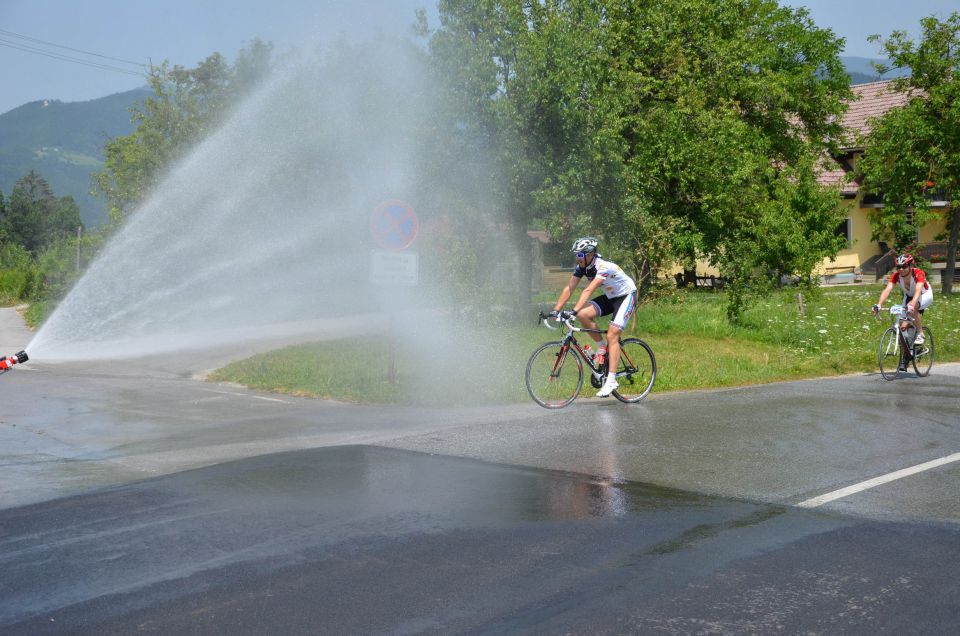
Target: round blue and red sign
{"type": "Point", "coordinates": [394, 225]}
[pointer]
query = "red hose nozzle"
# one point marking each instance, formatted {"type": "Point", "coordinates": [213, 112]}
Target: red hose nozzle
{"type": "Point", "coordinates": [18, 358]}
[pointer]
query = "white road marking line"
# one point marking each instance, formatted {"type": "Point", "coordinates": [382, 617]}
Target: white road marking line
{"type": "Point", "coordinates": [266, 399]}
{"type": "Point", "coordinates": [255, 397]}
{"type": "Point", "coordinates": [876, 481]}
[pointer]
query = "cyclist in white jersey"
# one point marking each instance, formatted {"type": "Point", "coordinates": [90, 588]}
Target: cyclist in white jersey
{"type": "Point", "coordinates": [619, 299]}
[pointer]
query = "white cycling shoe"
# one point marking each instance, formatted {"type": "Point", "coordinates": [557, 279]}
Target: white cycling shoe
{"type": "Point", "coordinates": [919, 340]}
{"type": "Point", "coordinates": [608, 387]}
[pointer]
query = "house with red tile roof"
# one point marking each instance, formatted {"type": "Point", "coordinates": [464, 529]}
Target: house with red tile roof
{"type": "Point", "coordinates": [863, 254]}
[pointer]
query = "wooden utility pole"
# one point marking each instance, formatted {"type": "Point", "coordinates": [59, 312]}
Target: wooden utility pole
{"type": "Point", "coordinates": [79, 233]}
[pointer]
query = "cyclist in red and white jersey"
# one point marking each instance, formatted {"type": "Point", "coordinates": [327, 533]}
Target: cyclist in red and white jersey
{"type": "Point", "coordinates": [917, 292]}
{"type": "Point", "coordinates": [619, 299]}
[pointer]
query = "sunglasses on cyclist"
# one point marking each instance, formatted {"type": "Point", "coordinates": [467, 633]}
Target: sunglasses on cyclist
{"type": "Point", "coordinates": [581, 255]}
{"type": "Point", "coordinates": [904, 266]}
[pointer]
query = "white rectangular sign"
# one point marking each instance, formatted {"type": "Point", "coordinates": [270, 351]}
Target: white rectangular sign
{"type": "Point", "coordinates": [394, 268]}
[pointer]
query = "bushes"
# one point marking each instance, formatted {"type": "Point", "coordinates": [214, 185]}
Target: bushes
{"type": "Point", "coordinates": [18, 285]}
{"type": "Point", "coordinates": [19, 277]}
{"type": "Point", "coordinates": [47, 276]}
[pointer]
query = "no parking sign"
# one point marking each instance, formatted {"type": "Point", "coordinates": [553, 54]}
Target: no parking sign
{"type": "Point", "coordinates": [394, 225]}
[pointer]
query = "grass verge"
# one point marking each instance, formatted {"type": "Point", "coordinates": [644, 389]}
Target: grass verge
{"type": "Point", "coordinates": [696, 348]}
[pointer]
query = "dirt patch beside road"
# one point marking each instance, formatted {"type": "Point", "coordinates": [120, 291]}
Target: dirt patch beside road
{"type": "Point", "coordinates": [14, 333]}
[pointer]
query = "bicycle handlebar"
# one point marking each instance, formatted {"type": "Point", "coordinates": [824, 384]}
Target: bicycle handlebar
{"type": "Point", "coordinates": [566, 317]}
{"type": "Point", "coordinates": [899, 311]}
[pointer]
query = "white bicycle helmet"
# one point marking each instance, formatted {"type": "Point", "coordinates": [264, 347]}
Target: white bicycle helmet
{"type": "Point", "coordinates": [586, 245]}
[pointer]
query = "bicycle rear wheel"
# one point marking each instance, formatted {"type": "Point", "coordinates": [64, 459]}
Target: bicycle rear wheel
{"type": "Point", "coordinates": [554, 375]}
{"type": "Point", "coordinates": [636, 371]}
{"type": "Point", "coordinates": [889, 354]}
{"type": "Point", "coordinates": [923, 354]}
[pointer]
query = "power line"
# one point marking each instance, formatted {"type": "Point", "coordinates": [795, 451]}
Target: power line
{"type": "Point", "coordinates": [60, 46]}
{"type": "Point", "coordinates": [67, 58]}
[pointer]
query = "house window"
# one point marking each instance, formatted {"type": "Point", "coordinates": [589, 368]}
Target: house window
{"type": "Point", "coordinates": [845, 229]}
{"type": "Point", "coordinates": [936, 197]}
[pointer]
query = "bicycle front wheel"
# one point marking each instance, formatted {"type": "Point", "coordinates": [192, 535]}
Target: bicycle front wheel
{"type": "Point", "coordinates": [889, 354]}
{"type": "Point", "coordinates": [636, 371]}
{"type": "Point", "coordinates": [923, 354]}
{"type": "Point", "coordinates": [554, 375]}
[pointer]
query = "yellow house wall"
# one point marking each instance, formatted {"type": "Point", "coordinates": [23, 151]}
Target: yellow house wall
{"type": "Point", "coordinates": [929, 232]}
{"type": "Point", "coordinates": [861, 248]}
{"type": "Point", "coordinates": [703, 269]}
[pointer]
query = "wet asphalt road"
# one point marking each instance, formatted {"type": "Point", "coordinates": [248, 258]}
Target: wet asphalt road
{"type": "Point", "coordinates": [136, 499]}
{"type": "Point", "coordinates": [364, 540]}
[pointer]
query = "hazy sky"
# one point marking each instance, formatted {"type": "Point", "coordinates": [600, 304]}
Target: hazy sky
{"type": "Point", "coordinates": [186, 32]}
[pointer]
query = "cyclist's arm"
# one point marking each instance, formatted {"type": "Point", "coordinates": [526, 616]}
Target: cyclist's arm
{"type": "Point", "coordinates": [566, 293]}
{"type": "Point", "coordinates": [886, 292]}
{"type": "Point", "coordinates": [587, 293]}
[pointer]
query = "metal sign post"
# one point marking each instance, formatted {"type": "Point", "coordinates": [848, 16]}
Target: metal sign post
{"type": "Point", "coordinates": [393, 227]}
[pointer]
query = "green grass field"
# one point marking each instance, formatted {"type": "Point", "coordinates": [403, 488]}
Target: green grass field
{"type": "Point", "coordinates": [695, 346]}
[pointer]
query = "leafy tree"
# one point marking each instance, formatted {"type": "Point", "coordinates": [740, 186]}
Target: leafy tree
{"type": "Point", "coordinates": [475, 52]}
{"type": "Point", "coordinates": [187, 105]}
{"type": "Point", "coordinates": [914, 149]}
{"type": "Point", "coordinates": [4, 239]}
{"type": "Point", "coordinates": [34, 217]}
{"type": "Point", "coordinates": [677, 129]}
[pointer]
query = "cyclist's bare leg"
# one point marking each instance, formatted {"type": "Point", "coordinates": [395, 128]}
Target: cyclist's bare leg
{"type": "Point", "coordinates": [588, 318]}
{"type": "Point", "coordinates": [613, 347]}
{"type": "Point", "coordinates": [905, 327]}
{"type": "Point", "coordinates": [916, 322]}
{"type": "Point", "coordinates": [915, 314]}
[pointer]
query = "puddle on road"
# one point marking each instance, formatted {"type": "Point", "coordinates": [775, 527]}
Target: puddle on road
{"type": "Point", "coordinates": [384, 481]}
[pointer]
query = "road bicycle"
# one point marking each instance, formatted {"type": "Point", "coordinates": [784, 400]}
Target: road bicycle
{"type": "Point", "coordinates": [555, 370]}
{"type": "Point", "coordinates": [898, 349]}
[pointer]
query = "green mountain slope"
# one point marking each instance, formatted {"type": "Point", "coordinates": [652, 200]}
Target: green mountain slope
{"type": "Point", "coordinates": [64, 143]}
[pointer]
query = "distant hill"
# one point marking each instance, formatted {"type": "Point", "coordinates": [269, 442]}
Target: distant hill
{"type": "Point", "coordinates": [861, 71]}
{"type": "Point", "coordinates": [862, 78]}
{"type": "Point", "coordinates": [64, 143]}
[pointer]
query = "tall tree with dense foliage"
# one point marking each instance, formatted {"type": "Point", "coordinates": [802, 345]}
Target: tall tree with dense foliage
{"type": "Point", "coordinates": [914, 151]}
{"type": "Point", "coordinates": [34, 217]}
{"type": "Point", "coordinates": [678, 129]}
{"type": "Point", "coordinates": [186, 106]}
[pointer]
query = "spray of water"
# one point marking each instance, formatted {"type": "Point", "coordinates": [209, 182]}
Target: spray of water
{"type": "Point", "coordinates": [265, 226]}
{"type": "Point", "coordinates": [263, 223]}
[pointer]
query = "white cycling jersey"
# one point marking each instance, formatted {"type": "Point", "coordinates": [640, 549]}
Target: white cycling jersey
{"type": "Point", "coordinates": [616, 283]}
